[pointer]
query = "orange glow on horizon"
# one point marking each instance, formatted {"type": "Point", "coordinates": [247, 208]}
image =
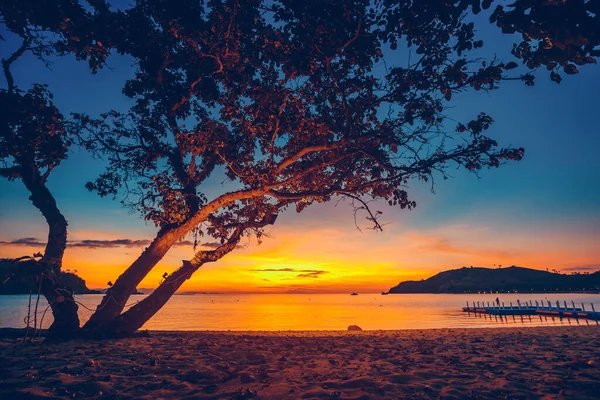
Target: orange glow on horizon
{"type": "Point", "coordinates": [338, 261]}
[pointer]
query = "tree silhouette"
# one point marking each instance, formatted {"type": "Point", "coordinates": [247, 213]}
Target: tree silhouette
{"type": "Point", "coordinates": [33, 139]}
{"type": "Point", "coordinates": [295, 103]}
{"type": "Point", "coordinates": [559, 35]}
{"type": "Point", "coordinates": [286, 99]}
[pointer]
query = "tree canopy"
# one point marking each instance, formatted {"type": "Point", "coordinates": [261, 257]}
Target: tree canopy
{"type": "Point", "coordinates": [290, 100]}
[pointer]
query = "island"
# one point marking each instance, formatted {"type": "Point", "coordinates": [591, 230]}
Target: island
{"type": "Point", "coordinates": [71, 280]}
{"type": "Point", "coordinates": [13, 284]}
{"type": "Point", "coordinates": [501, 280]}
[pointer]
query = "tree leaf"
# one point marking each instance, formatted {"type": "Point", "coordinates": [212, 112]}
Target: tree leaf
{"type": "Point", "coordinates": [571, 69]}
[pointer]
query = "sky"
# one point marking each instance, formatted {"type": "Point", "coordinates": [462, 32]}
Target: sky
{"type": "Point", "coordinates": [542, 212]}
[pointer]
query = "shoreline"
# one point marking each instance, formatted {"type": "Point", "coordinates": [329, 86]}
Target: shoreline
{"type": "Point", "coordinates": [148, 291]}
{"type": "Point", "coordinates": [513, 362]}
{"type": "Point", "coordinates": [15, 333]}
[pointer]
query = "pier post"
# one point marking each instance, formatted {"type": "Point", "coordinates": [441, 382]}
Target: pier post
{"type": "Point", "coordinates": [557, 304]}
{"type": "Point", "coordinates": [536, 304]}
{"type": "Point", "coordinates": [593, 309]}
{"type": "Point", "coordinates": [565, 304]}
{"type": "Point", "coordinates": [573, 303]}
{"type": "Point", "coordinates": [583, 306]}
{"type": "Point", "coordinates": [549, 304]}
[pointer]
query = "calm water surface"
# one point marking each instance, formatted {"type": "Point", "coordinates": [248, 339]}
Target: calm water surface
{"type": "Point", "coordinates": [314, 312]}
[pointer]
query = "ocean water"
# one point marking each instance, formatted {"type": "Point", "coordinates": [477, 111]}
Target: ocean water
{"type": "Point", "coordinates": [241, 312]}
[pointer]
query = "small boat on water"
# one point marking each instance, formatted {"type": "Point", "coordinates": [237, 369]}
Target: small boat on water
{"type": "Point", "coordinates": [384, 293]}
{"type": "Point", "coordinates": [353, 294]}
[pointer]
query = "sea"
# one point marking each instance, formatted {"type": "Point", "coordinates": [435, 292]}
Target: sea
{"type": "Point", "coordinates": [299, 312]}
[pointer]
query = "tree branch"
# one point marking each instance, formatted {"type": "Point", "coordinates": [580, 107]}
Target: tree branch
{"type": "Point", "coordinates": [6, 64]}
{"type": "Point", "coordinates": [312, 149]}
{"type": "Point", "coordinates": [10, 173]}
{"type": "Point", "coordinates": [349, 42]}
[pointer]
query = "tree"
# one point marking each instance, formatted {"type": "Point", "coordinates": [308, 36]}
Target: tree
{"type": "Point", "coordinates": [286, 101]}
{"type": "Point", "coordinates": [33, 139]}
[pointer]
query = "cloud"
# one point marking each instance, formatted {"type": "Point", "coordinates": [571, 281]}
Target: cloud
{"type": "Point", "coordinates": [274, 270]}
{"type": "Point", "coordinates": [102, 244]}
{"type": "Point", "coordinates": [589, 267]}
{"type": "Point", "coordinates": [286, 270]}
{"type": "Point", "coordinates": [29, 241]}
{"type": "Point", "coordinates": [443, 246]}
{"type": "Point", "coordinates": [184, 243]}
{"type": "Point", "coordinates": [210, 245]}
{"type": "Point", "coordinates": [99, 244]}
{"type": "Point", "coordinates": [107, 243]}
{"type": "Point", "coordinates": [302, 273]}
{"type": "Point", "coordinates": [313, 274]}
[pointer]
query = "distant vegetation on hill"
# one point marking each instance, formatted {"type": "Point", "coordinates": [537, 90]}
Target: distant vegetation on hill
{"type": "Point", "coordinates": [503, 280]}
{"type": "Point", "coordinates": [15, 285]}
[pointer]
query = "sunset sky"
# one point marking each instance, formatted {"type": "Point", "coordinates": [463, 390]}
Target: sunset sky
{"type": "Point", "coordinates": [543, 212]}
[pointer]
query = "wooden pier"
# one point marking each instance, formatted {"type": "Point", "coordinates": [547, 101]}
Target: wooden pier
{"type": "Point", "coordinates": [534, 308]}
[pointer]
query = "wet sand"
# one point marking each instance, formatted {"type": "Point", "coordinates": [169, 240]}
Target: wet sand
{"type": "Point", "coordinates": [514, 363]}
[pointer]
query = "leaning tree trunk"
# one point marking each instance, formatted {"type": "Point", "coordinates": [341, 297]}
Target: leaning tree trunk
{"type": "Point", "coordinates": [133, 319]}
{"type": "Point", "coordinates": [116, 296]}
{"type": "Point", "coordinates": [114, 300]}
{"type": "Point", "coordinates": [59, 297]}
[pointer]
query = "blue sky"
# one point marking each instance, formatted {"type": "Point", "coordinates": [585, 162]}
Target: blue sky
{"type": "Point", "coordinates": [550, 200]}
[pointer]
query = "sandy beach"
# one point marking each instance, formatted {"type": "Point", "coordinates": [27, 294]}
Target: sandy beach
{"type": "Point", "coordinates": [514, 363]}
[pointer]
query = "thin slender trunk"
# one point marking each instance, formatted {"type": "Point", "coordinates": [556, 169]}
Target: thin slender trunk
{"type": "Point", "coordinates": [134, 318]}
{"type": "Point", "coordinates": [60, 298]}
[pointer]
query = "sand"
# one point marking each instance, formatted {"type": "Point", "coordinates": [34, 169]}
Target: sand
{"type": "Point", "coordinates": [514, 363]}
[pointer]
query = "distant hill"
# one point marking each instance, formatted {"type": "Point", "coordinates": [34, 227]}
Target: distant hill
{"type": "Point", "coordinates": [474, 279]}
{"type": "Point", "coordinates": [20, 286]}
